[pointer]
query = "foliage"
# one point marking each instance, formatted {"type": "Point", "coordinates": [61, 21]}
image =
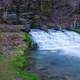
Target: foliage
{"type": "Point", "coordinates": [18, 64]}
{"type": "Point", "coordinates": [26, 37]}
{"type": "Point", "coordinates": [19, 60]}
{"type": "Point", "coordinates": [26, 76]}
{"type": "Point", "coordinates": [13, 65]}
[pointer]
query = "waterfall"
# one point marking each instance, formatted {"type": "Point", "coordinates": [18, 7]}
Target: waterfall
{"type": "Point", "coordinates": [56, 40]}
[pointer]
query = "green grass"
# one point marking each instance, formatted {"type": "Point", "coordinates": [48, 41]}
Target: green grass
{"type": "Point", "coordinates": [26, 75]}
{"type": "Point", "coordinates": [19, 63]}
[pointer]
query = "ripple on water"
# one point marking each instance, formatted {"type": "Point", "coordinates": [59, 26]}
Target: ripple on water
{"type": "Point", "coordinates": [55, 65]}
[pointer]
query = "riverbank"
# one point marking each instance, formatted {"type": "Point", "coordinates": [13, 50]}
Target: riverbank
{"type": "Point", "coordinates": [77, 30]}
{"type": "Point", "coordinates": [12, 56]}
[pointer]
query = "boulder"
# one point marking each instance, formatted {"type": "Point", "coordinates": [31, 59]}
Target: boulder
{"type": "Point", "coordinates": [33, 45]}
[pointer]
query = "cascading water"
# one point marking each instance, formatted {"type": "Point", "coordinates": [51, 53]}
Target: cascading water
{"type": "Point", "coordinates": [57, 40]}
{"type": "Point", "coordinates": [58, 54]}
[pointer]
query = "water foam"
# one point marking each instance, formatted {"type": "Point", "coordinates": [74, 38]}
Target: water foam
{"type": "Point", "coordinates": [51, 40]}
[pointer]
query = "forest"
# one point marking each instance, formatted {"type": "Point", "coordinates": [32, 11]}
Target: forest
{"type": "Point", "coordinates": [39, 39]}
{"type": "Point", "coordinates": [41, 12]}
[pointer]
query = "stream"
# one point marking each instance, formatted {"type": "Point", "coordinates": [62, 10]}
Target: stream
{"type": "Point", "coordinates": [57, 56]}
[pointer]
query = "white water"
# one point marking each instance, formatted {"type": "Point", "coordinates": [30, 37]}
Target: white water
{"type": "Point", "coordinates": [53, 40]}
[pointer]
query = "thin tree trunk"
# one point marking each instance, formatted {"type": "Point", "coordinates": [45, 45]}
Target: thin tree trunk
{"type": "Point", "coordinates": [5, 14]}
{"type": "Point", "coordinates": [75, 20]}
{"type": "Point", "coordinates": [18, 11]}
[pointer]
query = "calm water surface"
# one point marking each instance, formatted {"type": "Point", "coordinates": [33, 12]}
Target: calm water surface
{"type": "Point", "coordinates": [54, 65]}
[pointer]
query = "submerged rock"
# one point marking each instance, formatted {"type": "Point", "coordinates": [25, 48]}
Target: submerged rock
{"type": "Point", "coordinates": [33, 45]}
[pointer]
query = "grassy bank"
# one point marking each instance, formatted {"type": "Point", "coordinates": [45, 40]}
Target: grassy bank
{"type": "Point", "coordinates": [12, 63]}
{"type": "Point", "coordinates": [18, 64]}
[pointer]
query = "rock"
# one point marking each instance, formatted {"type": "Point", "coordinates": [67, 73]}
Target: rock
{"type": "Point", "coordinates": [26, 28]}
{"type": "Point", "coordinates": [33, 45]}
{"type": "Point", "coordinates": [45, 28]}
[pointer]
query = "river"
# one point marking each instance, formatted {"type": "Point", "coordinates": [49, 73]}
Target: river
{"type": "Point", "coordinates": [57, 56]}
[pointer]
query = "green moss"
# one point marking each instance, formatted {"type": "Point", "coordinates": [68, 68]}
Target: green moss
{"type": "Point", "coordinates": [26, 37]}
{"type": "Point", "coordinates": [26, 75]}
{"type": "Point", "coordinates": [19, 61]}
{"type": "Point", "coordinates": [18, 64]}
{"type": "Point", "coordinates": [13, 65]}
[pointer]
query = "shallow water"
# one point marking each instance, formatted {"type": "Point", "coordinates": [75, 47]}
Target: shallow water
{"type": "Point", "coordinates": [58, 55]}
{"type": "Point", "coordinates": [54, 65]}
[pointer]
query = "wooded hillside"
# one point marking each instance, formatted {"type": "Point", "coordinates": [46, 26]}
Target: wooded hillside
{"type": "Point", "coordinates": [59, 12]}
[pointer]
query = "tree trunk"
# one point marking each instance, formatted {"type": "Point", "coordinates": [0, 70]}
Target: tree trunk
{"type": "Point", "coordinates": [17, 11]}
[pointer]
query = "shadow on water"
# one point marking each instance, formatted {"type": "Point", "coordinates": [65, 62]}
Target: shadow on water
{"type": "Point", "coordinates": [53, 65]}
